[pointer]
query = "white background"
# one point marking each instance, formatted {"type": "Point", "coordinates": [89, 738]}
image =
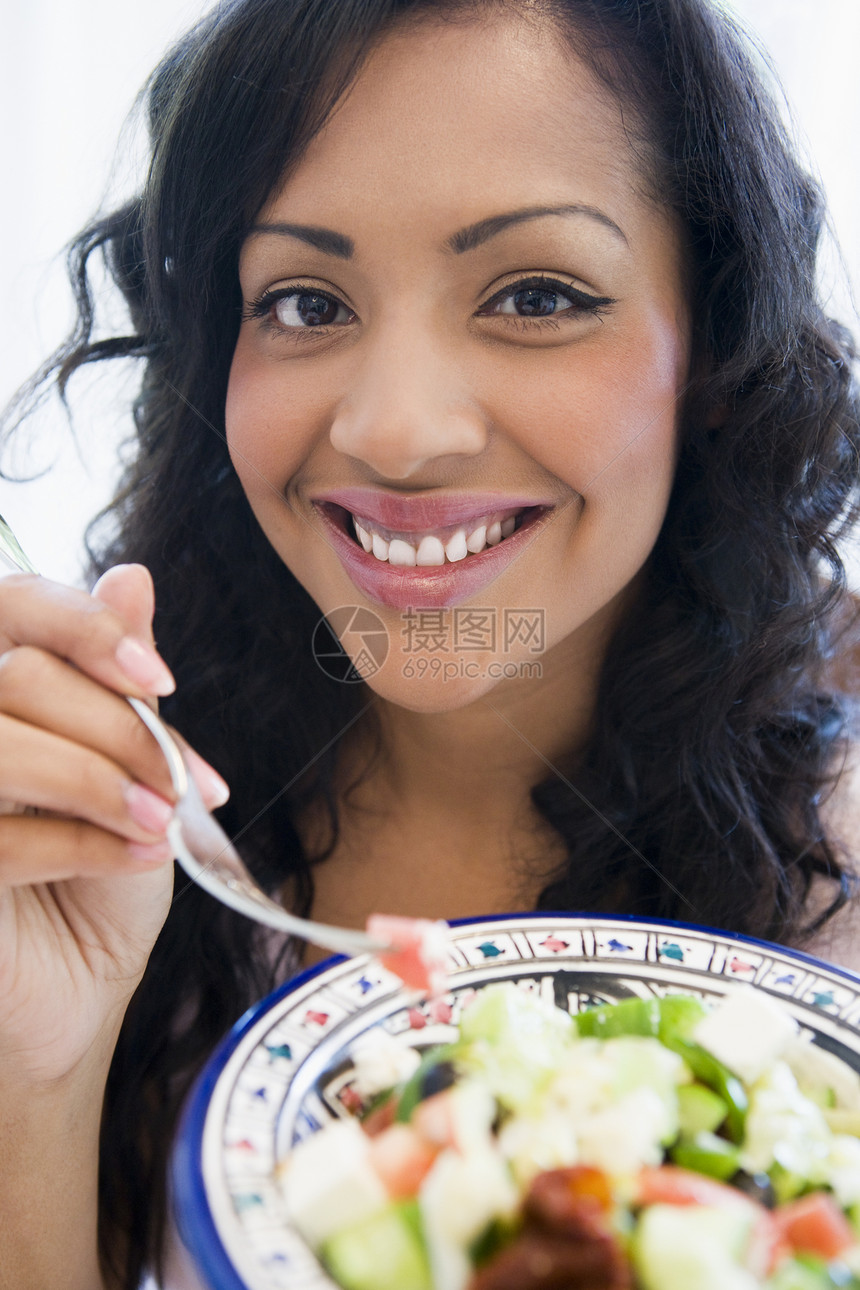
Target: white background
{"type": "Point", "coordinates": [69, 74]}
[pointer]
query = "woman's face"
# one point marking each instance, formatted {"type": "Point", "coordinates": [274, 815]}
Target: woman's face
{"type": "Point", "coordinates": [463, 315]}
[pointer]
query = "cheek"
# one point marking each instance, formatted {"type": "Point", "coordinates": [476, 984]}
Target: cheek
{"type": "Point", "coordinates": [270, 424]}
{"type": "Point", "coordinates": [608, 418]}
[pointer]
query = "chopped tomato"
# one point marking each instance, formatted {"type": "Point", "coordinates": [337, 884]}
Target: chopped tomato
{"type": "Point", "coordinates": [433, 1120]}
{"type": "Point", "coordinates": [815, 1224]}
{"type": "Point", "coordinates": [401, 1158]}
{"type": "Point", "coordinates": [417, 952]}
{"type": "Point", "coordinates": [672, 1185]}
{"type": "Point", "coordinates": [380, 1117]}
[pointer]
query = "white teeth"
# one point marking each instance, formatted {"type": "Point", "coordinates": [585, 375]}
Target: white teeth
{"type": "Point", "coordinates": [476, 541]}
{"type": "Point", "coordinates": [430, 551]}
{"type": "Point", "coordinates": [455, 548]}
{"type": "Point", "coordinates": [400, 552]}
{"type": "Point", "coordinates": [380, 547]}
{"type": "Point", "coordinates": [363, 536]}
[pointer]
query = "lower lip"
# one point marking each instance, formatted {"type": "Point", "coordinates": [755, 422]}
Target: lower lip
{"type": "Point", "coordinates": [433, 587]}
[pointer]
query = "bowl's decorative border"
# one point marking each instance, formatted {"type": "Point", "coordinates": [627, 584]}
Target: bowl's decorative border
{"type": "Point", "coordinates": [283, 1070]}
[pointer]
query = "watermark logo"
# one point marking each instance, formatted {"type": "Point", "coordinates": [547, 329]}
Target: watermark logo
{"type": "Point", "coordinates": [350, 644]}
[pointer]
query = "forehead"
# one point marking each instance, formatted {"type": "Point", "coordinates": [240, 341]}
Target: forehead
{"type": "Point", "coordinates": [457, 118]}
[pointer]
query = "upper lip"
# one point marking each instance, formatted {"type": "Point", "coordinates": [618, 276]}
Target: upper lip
{"type": "Point", "coordinates": [422, 512]}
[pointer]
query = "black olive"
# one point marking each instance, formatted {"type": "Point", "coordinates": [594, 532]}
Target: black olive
{"type": "Point", "coordinates": [757, 1186]}
{"type": "Point", "coordinates": [439, 1077]}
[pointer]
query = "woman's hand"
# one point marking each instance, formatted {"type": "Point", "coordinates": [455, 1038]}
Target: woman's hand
{"type": "Point", "coordinates": [85, 877]}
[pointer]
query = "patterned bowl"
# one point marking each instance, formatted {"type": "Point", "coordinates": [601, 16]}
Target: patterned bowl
{"type": "Point", "coordinates": [283, 1071]}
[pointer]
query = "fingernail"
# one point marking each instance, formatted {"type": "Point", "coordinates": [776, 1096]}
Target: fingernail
{"type": "Point", "coordinates": [142, 665]}
{"type": "Point", "coordinates": [151, 852]}
{"type": "Point", "coordinates": [213, 789]}
{"type": "Point", "coordinates": [147, 809]}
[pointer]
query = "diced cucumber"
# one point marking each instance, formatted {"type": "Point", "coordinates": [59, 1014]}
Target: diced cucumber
{"type": "Point", "coordinates": [679, 1016]}
{"type": "Point", "coordinates": [385, 1252]}
{"type": "Point", "coordinates": [718, 1077]}
{"type": "Point", "coordinates": [700, 1109]}
{"type": "Point", "coordinates": [786, 1185]}
{"type": "Point", "coordinates": [707, 1154]}
{"type": "Point", "coordinates": [691, 1247]}
{"type": "Point", "coordinates": [515, 1017]}
{"type": "Point", "coordinates": [514, 1040]}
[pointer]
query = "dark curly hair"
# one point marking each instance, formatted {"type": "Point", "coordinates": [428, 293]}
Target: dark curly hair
{"type": "Point", "coordinates": [716, 736]}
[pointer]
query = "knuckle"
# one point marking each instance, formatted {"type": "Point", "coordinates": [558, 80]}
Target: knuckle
{"type": "Point", "coordinates": [93, 787]}
{"type": "Point", "coordinates": [7, 848]}
{"type": "Point", "coordinates": [12, 584]}
{"type": "Point", "coordinates": [17, 847]}
{"type": "Point", "coordinates": [81, 843]}
{"type": "Point", "coordinates": [24, 667]}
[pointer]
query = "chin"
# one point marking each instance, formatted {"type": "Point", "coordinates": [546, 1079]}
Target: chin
{"type": "Point", "coordinates": [429, 693]}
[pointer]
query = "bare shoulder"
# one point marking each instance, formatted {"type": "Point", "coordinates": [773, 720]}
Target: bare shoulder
{"type": "Point", "coordinates": [839, 940]}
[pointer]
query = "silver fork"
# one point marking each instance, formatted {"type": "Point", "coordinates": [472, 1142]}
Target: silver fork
{"type": "Point", "coordinates": [200, 844]}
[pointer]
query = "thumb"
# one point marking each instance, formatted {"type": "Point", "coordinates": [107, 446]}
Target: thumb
{"type": "Point", "coordinates": [128, 590]}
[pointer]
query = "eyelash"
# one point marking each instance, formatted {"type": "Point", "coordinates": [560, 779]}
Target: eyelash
{"type": "Point", "coordinates": [580, 303]}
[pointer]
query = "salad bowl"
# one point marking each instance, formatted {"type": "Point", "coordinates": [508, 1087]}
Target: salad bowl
{"type": "Point", "coordinates": [285, 1071]}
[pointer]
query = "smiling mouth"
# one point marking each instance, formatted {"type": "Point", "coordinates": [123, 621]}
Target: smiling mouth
{"type": "Point", "coordinates": [436, 547]}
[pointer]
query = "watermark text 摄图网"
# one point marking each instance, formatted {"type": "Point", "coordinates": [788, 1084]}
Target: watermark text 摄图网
{"type": "Point", "coordinates": [442, 644]}
{"type": "Point", "coordinates": [465, 630]}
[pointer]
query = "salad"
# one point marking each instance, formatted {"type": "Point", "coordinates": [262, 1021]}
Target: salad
{"type": "Point", "coordinates": [651, 1144]}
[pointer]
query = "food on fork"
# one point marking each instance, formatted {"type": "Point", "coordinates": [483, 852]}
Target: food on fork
{"type": "Point", "coordinates": [416, 950]}
{"type": "Point", "coordinates": [652, 1144]}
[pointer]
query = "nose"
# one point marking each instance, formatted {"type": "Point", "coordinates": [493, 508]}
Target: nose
{"type": "Point", "coordinates": [408, 405]}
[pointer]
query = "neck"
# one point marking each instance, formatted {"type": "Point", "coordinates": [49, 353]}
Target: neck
{"type": "Point", "coordinates": [440, 822]}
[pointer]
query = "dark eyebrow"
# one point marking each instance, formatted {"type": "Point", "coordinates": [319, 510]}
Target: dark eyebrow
{"type": "Point", "coordinates": [323, 239]}
{"type": "Point", "coordinates": [469, 238]}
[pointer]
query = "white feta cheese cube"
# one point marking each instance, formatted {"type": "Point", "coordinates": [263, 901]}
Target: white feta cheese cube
{"type": "Point", "coordinates": [381, 1061]}
{"type": "Point", "coordinates": [329, 1182]}
{"type": "Point", "coordinates": [461, 1194]}
{"type": "Point", "coordinates": [747, 1032]}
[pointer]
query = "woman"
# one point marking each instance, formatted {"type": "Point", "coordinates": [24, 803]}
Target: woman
{"type": "Point", "coordinates": [489, 332]}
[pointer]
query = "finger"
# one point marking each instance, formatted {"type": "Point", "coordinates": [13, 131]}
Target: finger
{"type": "Point", "coordinates": [42, 690]}
{"type": "Point", "coordinates": [82, 629]}
{"type": "Point", "coordinates": [127, 589]}
{"type": "Point", "coordinates": [44, 770]}
{"type": "Point", "coordinates": [54, 850]}
{"type": "Point", "coordinates": [38, 688]}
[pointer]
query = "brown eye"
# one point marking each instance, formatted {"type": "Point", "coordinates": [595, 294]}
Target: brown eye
{"type": "Point", "coordinates": [310, 309]}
